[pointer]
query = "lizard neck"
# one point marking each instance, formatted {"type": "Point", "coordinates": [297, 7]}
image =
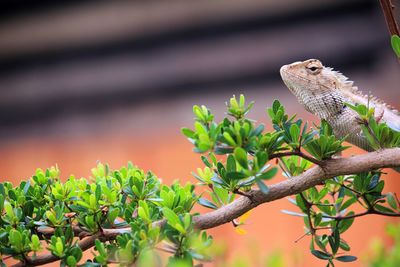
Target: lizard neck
{"type": "Point", "coordinates": [325, 104]}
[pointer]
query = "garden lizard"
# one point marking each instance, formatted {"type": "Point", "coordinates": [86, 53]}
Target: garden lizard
{"type": "Point", "coordinates": [324, 92]}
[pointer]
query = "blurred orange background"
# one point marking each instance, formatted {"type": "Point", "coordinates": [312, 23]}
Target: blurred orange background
{"type": "Point", "coordinates": [115, 81]}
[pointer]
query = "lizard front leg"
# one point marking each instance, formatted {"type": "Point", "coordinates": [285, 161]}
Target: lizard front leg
{"type": "Point", "coordinates": [379, 112]}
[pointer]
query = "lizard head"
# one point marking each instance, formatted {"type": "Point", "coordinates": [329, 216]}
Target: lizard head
{"type": "Point", "coordinates": [307, 75]}
{"type": "Point", "coordinates": [312, 75]}
{"type": "Point", "coordinates": [311, 83]}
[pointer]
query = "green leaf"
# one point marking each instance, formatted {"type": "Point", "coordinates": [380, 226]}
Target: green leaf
{"type": "Point", "coordinates": [71, 261]}
{"type": "Point", "coordinates": [346, 258]}
{"type": "Point", "coordinates": [206, 203]}
{"type": "Point", "coordinates": [78, 208]}
{"type": "Point", "coordinates": [188, 133]}
{"type": "Point", "coordinates": [231, 164]}
{"type": "Point", "coordinates": [179, 227]}
{"type": "Point", "coordinates": [295, 132]}
{"type": "Point", "coordinates": [258, 130]}
{"type": "Point", "coordinates": [391, 200]}
{"type": "Point", "coordinates": [198, 112]}
{"type": "Point", "coordinates": [383, 208]}
{"type": "Point", "coordinates": [268, 174]}
{"type": "Point", "coordinates": [15, 238]}
{"type": "Point", "coordinates": [276, 105]}
{"type": "Point", "coordinates": [206, 162]}
{"type": "Point", "coordinates": [59, 246]}
{"type": "Point", "coordinates": [76, 252]}
{"type": "Point", "coordinates": [322, 194]}
{"type": "Point", "coordinates": [262, 158]}
{"type": "Point", "coordinates": [98, 192]}
{"type": "Point", "coordinates": [241, 157]}
{"type": "Point", "coordinates": [187, 219]}
{"type": "Point", "coordinates": [242, 100]}
{"type": "Point", "coordinates": [35, 243]}
{"type": "Point", "coordinates": [235, 175]}
{"type": "Point", "coordinates": [171, 216]}
{"type": "Point", "coordinates": [229, 139]}
{"type": "Point", "coordinates": [395, 42]}
{"type": "Point", "coordinates": [321, 255]}
{"type": "Point", "coordinates": [343, 245]}
{"type": "Point", "coordinates": [100, 247]}
{"type": "Point", "coordinates": [345, 224]}
{"type": "Point", "coordinates": [92, 202]}
{"type": "Point", "coordinates": [334, 240]}
{"type": "Point", "coordinates": [300, 203]}
{"type": "Point", "coordinates": [348, 203]}
{"type": "Point", "coordinates": [112, 214]}
{"type": "Point", "coordinates": [262, 186]}
{"type": "Point", "coordinates": [319, 241]}
{"type": "Point", "coordinates": [28, 208]}
{"type": "Point", "coordinates": [142, 214]}
{"type": "Point", "coordinates": [318, 219]}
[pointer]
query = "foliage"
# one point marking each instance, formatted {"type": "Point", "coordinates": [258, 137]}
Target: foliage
{"type": "Point", "coordinates": [395, 41]}
{"type": "Point", "coordinates": [130, 215]}
{"type": "Point", "coordinates": [383, 256]}
{"type": "Point", "coordinates": [379, 135]}
{"type": "Point", "coordinates": [122, 199]}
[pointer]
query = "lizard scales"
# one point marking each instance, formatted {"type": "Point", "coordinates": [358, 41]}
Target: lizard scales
{"type": "Point", "coordinates": [324, 92]}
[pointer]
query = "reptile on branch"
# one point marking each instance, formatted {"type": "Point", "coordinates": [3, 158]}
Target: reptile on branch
{"type": "Point", "coordinates": [324, 92]}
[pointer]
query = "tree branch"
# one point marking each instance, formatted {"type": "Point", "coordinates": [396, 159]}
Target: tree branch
{"type": "Point", "coordinates": [312, 177]}
{"type": "Point", "coordinates": [295, 185]}
{"type": "Point", "coordinates": [387, 8]}
{"type": "Point", "coordinates": [84, 244]}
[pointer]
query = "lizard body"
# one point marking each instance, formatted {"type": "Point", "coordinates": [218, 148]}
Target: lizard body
{"type": "Point", "coordinates": [324, 92]}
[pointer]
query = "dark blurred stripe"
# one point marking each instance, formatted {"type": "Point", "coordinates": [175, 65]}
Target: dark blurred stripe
{"type": "Point", "coordinates": [186, 33]}
{"type": "Point", "coordinates": [101, 77]}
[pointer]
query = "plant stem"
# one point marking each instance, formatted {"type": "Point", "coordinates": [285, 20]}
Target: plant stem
{"type": "Point", "coordinates": [387, 8]}
{"type": "Point", "coordinates": [296, 153]}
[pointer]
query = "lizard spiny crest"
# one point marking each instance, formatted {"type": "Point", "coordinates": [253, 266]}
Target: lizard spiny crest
{"type": "Point", "coordinates": [348, 85]}
{"type": "Point", "coordinates": [324, 92]}
{"type": "Point", "coordinates": [317, 77]}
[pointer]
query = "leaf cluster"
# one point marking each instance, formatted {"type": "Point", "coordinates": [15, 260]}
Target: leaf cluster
{"type": "Point", "coordinates": [128, 215]}
{"type": "Point", "coordinates": [44, 213]}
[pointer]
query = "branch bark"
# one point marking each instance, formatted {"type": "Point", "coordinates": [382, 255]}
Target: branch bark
{"type": "Point", "coordinates": [84, 244]}
{"type": "Point", "coordinates": [312, 177]}
{"type": "Point", "coordinates": [387, 8]}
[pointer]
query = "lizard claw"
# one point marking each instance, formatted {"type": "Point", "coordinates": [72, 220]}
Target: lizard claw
{"type": "Point", "coordinates": [338, 155]}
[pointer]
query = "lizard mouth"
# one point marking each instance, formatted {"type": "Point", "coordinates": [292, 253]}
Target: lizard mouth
{"type": "Point", "coordinates": [283, 71]}
{"type": "Point", "coordinates": [285, 76]}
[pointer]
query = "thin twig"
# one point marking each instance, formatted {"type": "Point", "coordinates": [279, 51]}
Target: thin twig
{"type": "Point", "coordinates": [237, 191]}
{"type": "Point", "coordinates": [385, 213]}
{"type": "Point", "coordinates": [367, 212]}
{"type": "Point", "coordinates": [357, 194]}
{"type": "Point", "coordinates": [302, 236]}
{"type": "Point", "coordinates": [387, 8]}
{"type": "Point", "coordinates": [295, 153]}
{"type": "Point", "coordinates": [347, 217]}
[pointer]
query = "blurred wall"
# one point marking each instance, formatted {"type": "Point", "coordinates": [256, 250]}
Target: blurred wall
{"type": "Point", "coordinates": [114, 81]}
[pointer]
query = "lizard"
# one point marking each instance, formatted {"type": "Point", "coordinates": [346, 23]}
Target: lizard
{"type": "Point", "coordinates": [324, 92]}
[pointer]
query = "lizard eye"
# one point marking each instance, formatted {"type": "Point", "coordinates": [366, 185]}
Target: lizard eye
{"type": "Point", "coordinates": [314, 69]}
